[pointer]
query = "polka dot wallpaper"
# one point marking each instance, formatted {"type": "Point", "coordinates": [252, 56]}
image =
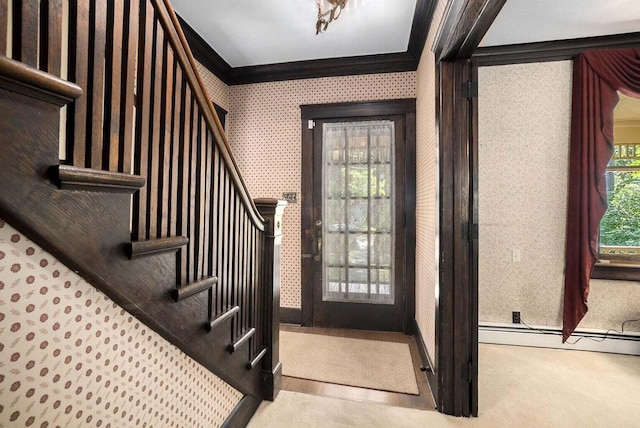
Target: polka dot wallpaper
{"type": "Point", "coordinates": [427, 189]}
{"type": "Point", "coordinates": [264, 131]}
{"type": "Point", "coordinates": [216, 88]}
{"type": "Point", "coordinates": [70, 357]}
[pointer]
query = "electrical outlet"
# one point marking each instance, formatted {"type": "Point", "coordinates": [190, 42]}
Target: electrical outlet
{"type": "Point", "coordinates": [516, 255]}
{"type": "Point", "coordinates": [515, 317]}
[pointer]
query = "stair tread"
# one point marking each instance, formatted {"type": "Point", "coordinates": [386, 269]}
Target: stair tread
{"type": "Point", "coordinates": [21, 78]}
{"type": "Point", "coordinates": [75, 178]}
{"type": "Point", "coordinates": [251, 364]}
{"type": "Point", "coordinates": [154, 246]}
{"type": "Point", "coordinates": [193, 288]}
{"type": "Point", "coordinates": [222, 317]}
{"type": "Point", "coordinates": [241, 340]}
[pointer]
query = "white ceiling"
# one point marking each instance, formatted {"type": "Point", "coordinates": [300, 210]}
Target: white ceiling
{"type": "Point", "coordinates": [523, 21]}
{"type": "Point", "coordinates": [256, 32]}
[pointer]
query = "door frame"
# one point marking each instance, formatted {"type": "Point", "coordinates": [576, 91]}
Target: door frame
{"type": "Point", "coordinates": [457, 311]}
{"type": "Point", "coordinates": [454, 379]}
{"type": "Point", "coordinates": [359, 111]}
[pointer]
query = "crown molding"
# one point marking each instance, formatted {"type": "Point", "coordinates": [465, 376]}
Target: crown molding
{"type": "Point", "coordinates": [346, 66]}
{"type": "Point", "coordinates": [558, 50]}
{"type": "Point", "coordinates": [367, 64]}
{"type": "Point", "coordinates": [205, 55]}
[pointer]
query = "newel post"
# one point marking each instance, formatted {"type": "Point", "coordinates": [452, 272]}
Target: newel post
{"type": "Point", "coordinates": [271, 210]}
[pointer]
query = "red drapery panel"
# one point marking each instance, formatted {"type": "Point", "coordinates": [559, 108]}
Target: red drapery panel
{"type": "Point", "coordinates": [597, 76]}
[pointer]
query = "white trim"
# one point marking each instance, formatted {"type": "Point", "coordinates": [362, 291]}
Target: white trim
{"type": "Point", "coordinates": [551, 337]}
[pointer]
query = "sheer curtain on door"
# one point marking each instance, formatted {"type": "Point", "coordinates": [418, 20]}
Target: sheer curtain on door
{"type": "Point", "coordinates": [358, 211]}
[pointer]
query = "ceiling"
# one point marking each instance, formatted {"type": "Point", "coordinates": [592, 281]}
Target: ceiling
{"type": "Point", "coordinates": [262, 40]}
{"type": "Point", "coordinates": [525, 21]}
{"type": "Point", "coordinates": [258, 32]}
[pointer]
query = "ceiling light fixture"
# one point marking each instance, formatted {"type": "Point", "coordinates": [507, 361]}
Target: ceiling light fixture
{"type": "Point", "coordinates": [333, 13]}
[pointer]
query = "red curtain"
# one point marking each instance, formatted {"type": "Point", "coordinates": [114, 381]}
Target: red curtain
{"type": "Point", "coordinates": [597, 76]}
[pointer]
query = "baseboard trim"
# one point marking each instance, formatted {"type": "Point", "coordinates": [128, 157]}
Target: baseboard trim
{"type": "Point", "coordinates": [290, 315]}
{"type": "Point", "coordinates": [242, 413]}
{"type": "Point", "coordinates": [427, 362]}
{"type": "Point", "coordinates": [551, 337]}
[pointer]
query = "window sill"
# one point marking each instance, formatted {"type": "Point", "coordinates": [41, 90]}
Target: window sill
{"type": "Point", "coordinates": [616, 272]}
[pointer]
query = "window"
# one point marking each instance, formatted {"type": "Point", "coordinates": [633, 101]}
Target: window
{"type": "Point", "coordinates": [597, 75]}
{"type": "Point", "coordinates": [620, 227]}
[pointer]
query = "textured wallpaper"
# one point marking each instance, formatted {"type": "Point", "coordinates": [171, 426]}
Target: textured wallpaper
{"type": "Point", "coordinates": [264, 132]}
{"type": "Point", "coordinates": [70, 357]}
{"type": "Point", "coordinates": [524, 126]}
{"type": "Point", "coordinates": [426, 190]}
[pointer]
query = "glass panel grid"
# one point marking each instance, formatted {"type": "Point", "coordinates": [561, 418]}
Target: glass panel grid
{"type": "Point", "coordinates": [358, 206]}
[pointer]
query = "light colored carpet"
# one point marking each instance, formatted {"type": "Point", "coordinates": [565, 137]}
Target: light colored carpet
{"type": "Point", "coordinates": [518, 386]}
{"type": "Point", "coordinates": [370, 364]}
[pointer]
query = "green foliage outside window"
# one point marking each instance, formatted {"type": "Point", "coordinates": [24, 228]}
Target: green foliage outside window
{"type": "Point", "coordinates": [620, 225]}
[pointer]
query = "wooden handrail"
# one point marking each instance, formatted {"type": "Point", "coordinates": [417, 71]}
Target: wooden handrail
{"type": "Point", "coordinates": [181, 47]}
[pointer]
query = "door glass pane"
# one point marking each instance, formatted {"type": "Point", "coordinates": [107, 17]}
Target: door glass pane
{"type": "Point", "coordinates": [357, 211]}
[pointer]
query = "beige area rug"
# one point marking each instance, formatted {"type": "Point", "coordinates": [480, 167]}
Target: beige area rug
{"type": "Point", "coordinates": [385, 366]}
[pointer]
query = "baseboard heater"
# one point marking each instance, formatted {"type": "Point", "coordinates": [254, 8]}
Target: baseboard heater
{"type": "Point", "coordinates": [550, 337]}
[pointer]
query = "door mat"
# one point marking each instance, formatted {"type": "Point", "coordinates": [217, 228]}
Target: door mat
{"type": "Point", "coordinates": [384, 366]}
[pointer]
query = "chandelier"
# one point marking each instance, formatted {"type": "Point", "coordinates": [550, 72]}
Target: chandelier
{"type": "Point", "coordinates": [325, 17]}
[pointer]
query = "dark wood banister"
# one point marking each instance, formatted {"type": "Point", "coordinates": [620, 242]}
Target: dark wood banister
{"type": "Point", "coordinates": [182, 51]}
{"type": "Point", "coordinates": [87, 230]}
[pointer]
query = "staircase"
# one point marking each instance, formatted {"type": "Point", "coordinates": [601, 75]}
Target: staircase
{"type": "Point", "coordinates": [147, 203]}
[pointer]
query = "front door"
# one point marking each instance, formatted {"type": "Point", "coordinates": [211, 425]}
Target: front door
{"type": "Point", "coordinates": [357, 233]}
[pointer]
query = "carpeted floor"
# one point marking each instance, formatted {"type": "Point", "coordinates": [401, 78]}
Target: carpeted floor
{"type": "Point", "coordinates": [518, 386]}
{"type": "Point", "coordinates": [385, 366]}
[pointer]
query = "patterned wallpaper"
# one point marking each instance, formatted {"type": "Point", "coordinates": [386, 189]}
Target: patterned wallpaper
{"type": "Point", "coordinates": [524, 125]}
{"type": "Point", "coordinates": [70, 357]}
{"type": "Point", "coordinates": [217, 89]}
{"type": "Point", "coordinates": [264, 132]}
{"type": "Point", "coordinates": [426, 190]}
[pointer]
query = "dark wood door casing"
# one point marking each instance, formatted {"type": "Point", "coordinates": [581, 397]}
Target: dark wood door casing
{"type": "Point", "coordinates": [463, 26]}
{"type": "Point", "coordinates": [457, 325]}
{"type": "Point", "coordinates": [405, 110]}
